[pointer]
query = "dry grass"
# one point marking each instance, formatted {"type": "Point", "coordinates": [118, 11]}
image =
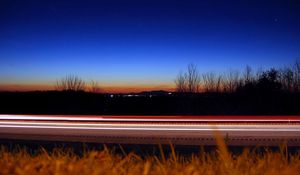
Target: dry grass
{"type": "Point", "coordinates": [65, 162]}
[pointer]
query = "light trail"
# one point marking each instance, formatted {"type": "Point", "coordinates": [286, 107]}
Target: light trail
{"type": "Point", "coordinates": [156, 129]}
{"type": "Point", "coordinates": [148, 131]}
{"type": "Point", "coordinates": [144, 125]}
{"type": "Point", "coordinates": [245, 119]}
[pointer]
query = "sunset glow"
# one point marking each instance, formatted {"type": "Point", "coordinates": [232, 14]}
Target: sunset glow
{"type": "Point", "coordinates": [140, 45]}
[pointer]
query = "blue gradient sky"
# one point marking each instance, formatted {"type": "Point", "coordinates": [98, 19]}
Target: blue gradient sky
{"type": "Point", "coordinates": [143, 42]}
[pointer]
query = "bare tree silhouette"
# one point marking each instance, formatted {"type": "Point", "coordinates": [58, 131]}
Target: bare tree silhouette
{"type": "Point", "coordinates": [287, 79]}
{"type": "Point", "coordinates": [272, 80]}
{"type": "Point", "coordinates": [94, 87]}
{"type": "Point", "coordinates": [193, 78]}
{"type": "Point", "coordinates": [219, 87]}
{"type": "Point", "coordinates": [212, 82]}
{"type": "Point", "coordinates": [71, 83]}
{"type": "Point", "coordinates": [232, 81]}
{"type": "Point", "coordinates": [296, 70]}
{"type": "Point", "coordinates": [248, 75]}
{"type": "Point", "coordinates": [180, 83]}
{"type": "Point", "coordinates": [189, 81]}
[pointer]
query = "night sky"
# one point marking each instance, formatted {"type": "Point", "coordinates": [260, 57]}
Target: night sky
{"type": "Point", "coordinates": [142, 44]}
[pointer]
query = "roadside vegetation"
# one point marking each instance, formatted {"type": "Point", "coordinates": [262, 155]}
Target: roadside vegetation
{"type": "Point", "coordinates": [220, 161]}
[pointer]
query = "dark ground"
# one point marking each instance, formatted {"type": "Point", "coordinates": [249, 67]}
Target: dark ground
{"type": "Point", "coordinates": [57, 102]}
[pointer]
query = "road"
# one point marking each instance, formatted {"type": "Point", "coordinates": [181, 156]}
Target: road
{"type": "Point", "coordinates": [185, 130]}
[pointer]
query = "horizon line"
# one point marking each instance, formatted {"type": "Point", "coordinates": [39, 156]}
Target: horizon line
{"type": "Point", "coordinates": [102, 89]}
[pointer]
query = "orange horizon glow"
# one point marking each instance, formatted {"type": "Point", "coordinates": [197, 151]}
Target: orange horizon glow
{"type": "Point", "coordinates": [103, 89]}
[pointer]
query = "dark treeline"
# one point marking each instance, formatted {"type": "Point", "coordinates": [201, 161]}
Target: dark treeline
{"type": "Point", "coordinates": [285, 79]}
{"type": "Point", "coordinates": [265, 92]}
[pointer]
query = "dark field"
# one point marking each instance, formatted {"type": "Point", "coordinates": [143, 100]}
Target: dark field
{"type": "Point", "coordinates": [57, 102]}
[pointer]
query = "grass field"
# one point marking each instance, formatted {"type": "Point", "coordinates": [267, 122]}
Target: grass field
{"type": "Point", "coordinates": [66, 162]}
